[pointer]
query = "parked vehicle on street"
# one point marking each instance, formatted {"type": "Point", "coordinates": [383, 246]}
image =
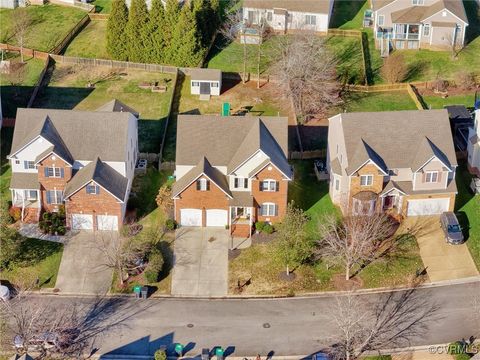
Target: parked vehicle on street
{"type": "Point", "coordinates": [4, 293]}
{"type": "Point", "coordinates": [451, 228]}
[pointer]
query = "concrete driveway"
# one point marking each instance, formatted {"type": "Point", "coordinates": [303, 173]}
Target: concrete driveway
{"type": "Point", "coordinates": [81, 269]}
{"type": "Point", "coordinates": [200, 262]}
{"type": "Point", "coordinates": [443, 261]}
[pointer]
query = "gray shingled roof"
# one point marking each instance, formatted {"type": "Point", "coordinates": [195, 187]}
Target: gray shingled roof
{"type": "Point", "coordinates": [116, 105]}
{"type": "Point", "coordinates": [24, 181]}
{"type": "Point", "coordinates": [206, 74]}
{"type": "Point", "coordinates": [241, 198]}
{"type": "Point", "coordinates": [399, 138]}
{"type": "Point", "coordinates": [407, 188]}
{"type": "Point", "coordinates": [85, 134]}
{"type": "Point", "coordinates": [230, 140]}
{"type": "Point", "coordinates": [311, 6]}
{"type": "Point", "coordinates": [415, 14]}
{"type": "Point", "coordinates": [203, 167]}
{"type": "Point", "coordinates": [101, 173]}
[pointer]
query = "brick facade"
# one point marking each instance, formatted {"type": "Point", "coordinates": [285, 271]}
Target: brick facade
{"type": "Point", "coordinates": [191, 198]}
{"type": "Point", "coordinates": [52, 183]}
{"type": "Point", "coordinates": [103, 203]}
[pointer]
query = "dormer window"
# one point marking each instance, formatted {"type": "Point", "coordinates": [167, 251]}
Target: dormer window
{"type": "Point", "coordinates": [431, 176]}
{"type": "Point", "coordinates": [366, 180]}
{"type": "Point", "coordinates": [240, 183]}
{"type": "Point", "coordinates": [92, 189]}
{"type": "Point", "coordinates": [203, 185]}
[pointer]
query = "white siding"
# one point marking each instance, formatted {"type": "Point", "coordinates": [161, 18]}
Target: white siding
{"type": "Point", "coordinates": [195, 90]}
{"type": "Point", "coordinates": [29, 153]}
{"type": "Point", "coordinates": [245, 169]}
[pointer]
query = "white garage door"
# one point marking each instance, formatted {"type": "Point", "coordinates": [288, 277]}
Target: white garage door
{"type": "Point", "coordinates": [191, 217]}
{"type": "Point", "coordinates": [217, 217]}
{"type": "Point", "coordinates": [107, 222]}
{"type": "Point", "coordinates": [427, 206]}
{"type": "Point", "coordinates": [82, 222]}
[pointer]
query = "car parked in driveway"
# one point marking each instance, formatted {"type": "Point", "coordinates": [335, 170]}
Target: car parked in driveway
{"type": "Point", "coordinates": [451, 228]}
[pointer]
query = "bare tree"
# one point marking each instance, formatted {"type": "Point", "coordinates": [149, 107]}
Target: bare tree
{"type": "Point", "coordinates": [354, 240]}
{"type": "Point", "coordinates": [391, 320]}
{"type": "Point", "coordinates": [394, 69]}
{"type": "Point", "coordinates": [21, 24]}
{"type": "Point", "coordinates": [16, 76]}
{"type": "Point", "coordinates": [453, 45]}
{"type": "Point", "coordinates": [306, 73]}
{"type": "Point", "coordinates": [263, 32]}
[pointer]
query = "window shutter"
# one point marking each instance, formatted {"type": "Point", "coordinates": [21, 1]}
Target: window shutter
{"type": "Point", "coordinates": [97, 189]}
{"type": "Point", "coordinates": [260, 183]}
{"type": "Point", "coordinates": [276, 209]}
{"type": "Point", "coordinates": [439, 176]}
{"type": "Point", "coordinates": [245, 183]}
{"type": "Point", "coordinates": [49, 199]}
{"type": "Point", "coordinates": [208, 185]}
{"type": "Point", "coordinates": [277, 185]}
{"type": "Point", "coordinates": [46, 171]}
{"type": "Point", "coordinates": [198, 184]}
{"type": "Point", "coordinates": [62, 173]}
{"type": "Point", "coordinates": [235, 183]}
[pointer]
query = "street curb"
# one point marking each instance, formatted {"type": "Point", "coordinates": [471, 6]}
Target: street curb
{"type": "Point", "coordinates": [468, 280]}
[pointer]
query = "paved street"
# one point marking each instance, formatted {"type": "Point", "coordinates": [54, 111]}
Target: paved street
{"type": "Point", "coordinates": [201, 262]}
{"type": "Point", "coordinates": [81, 270]}
{"type": "Point", "coordinates": [285, 326]}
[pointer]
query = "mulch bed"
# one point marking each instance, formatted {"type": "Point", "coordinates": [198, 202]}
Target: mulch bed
{"type": "Point", "coordinates": [234, 253]}
{"type": "Point", "coordinates": [290, 277]}
{"type": "Point", "coordinates": [340, 283]}
{"type": "Point", "coordinates": [262, 238]}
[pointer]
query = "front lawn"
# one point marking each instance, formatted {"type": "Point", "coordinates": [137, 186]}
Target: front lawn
{"type": "Point", "coordinates": [378, 101]}
{"type": "Point", "coordinates": [18, 94]}
{"type": "Point", "coordinates": [39, 259]}
{"type": "Point", "coordinates": [68, 90]}
{"type": "Point", "coordinates": [91, 42]}
{"type": "Point", "coordinates": [468, 208]}
{"type": "Point", "coordinates": [49, 25]}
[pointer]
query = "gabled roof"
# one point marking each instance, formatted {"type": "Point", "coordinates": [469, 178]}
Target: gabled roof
{"type": "Point", "coordinates": [202, 168]}
{"type": "Point", "coordinates": [84, 134]}
{"type": "Point", "coordinates": [400, 138]}
{"type": "Point", "coordinates": [116, 105]}
{"type": "Point", "coordinates": [310, 6]}
{"type": "Point", "coordinates": [362, 155]}
{"type": "Point", "coordinates": [416, 14]}
{"type": "Point", "coordinates": [391, 185]}
{"type": "Point", "coordinates": [102, 174]}
{"type": "Point", "coordinates": [206, 74]}
{"type": "Point", "coordinates": [378, 4]}
{"type": "Point", "coordinates": [228, 141]}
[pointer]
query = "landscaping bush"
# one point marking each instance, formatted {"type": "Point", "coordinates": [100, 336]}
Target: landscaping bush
{"type": "Point", "coordinates": [394, 69]}
{"type": "Point", "coordinates": [465, 80]}
{"type": "Point", "coordinates": [259, 225]}
{"type": "Point", "coordinates": [459, 350]}
{"type": "Point", "coordinates": [160, 354]}
{"type": "Point", "coordinates": [53, 223]}
{"type": "Point", "coordinates": [268, 229]}
{"type": "Point", "coordinates": [5, 217]}
{"type": "Point", "coordinates": [155, 265]}
{"type": "Point", "coordinates": [15, 213]}
{"type": "Point", "coordinates": [171, 224]}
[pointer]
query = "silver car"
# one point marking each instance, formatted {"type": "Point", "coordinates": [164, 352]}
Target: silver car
{"type": "Point", "coordinates": [451, 228]}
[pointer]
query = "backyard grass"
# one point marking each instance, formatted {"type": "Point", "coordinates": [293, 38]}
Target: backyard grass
{"type": "Point", "coordinates": [67, 90]}
{"type": "Point", "coordinates": [437, 102]}
{"type": "Point", "coordinates": [39, 259]}
{"type": "Point", "coordinates": [18, 95]}
{"type": "Point", "coordinates": [468, 208]}
{"type": "Point", "coordinates": [6, 135]}
{"type": "Point", "coordinates": [348, 14]}
{"type": "Point", "coordinates": [378, 101]}
{"type": "Point", "coordinates": [50, 24]}
{"type": "Point", "coordinates": [91, 42]}
{"type": "Point", "coordinates": [103, 6]}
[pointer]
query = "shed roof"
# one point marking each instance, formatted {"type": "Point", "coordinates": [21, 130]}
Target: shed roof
{"type": "Point", "coordinates": [206, 74]}
{"type": "Point", "coordinates": [310, 6]}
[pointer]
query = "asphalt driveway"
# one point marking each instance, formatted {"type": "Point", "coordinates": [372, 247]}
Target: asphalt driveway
{"type": "Point", "coordinates": [443, 261]}
{"type": "Point", "coordinates": [81, 269]}
{"type": "Point", "coordinates": [200, 262]}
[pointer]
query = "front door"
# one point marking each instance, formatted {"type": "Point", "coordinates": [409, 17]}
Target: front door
{"type": "Point", "coordinates": [204, 88]}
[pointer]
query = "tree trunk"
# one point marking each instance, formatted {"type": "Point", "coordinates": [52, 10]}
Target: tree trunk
{"type": "Point", "coordinates": [347, 273]}
{"type": "Point", "coordinates": [21, 52]}
{"type": "Point", "coordinates": [258, 66]}
{"type": "Point", "coordinates": [244, 60]}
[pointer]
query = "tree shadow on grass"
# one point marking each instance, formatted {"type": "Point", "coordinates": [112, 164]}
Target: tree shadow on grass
{"type": "Point", "coordinates": [150, 135]}
{"type": "Point", "coordinates": [473, 29]}
{"type": "Point", "coordinates": [32, 251]}
{"type": "Point", "coordinates": [345, 11]}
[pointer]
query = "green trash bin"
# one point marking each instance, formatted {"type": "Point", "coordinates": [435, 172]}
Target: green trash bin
{"type": "Point", "coordinates": [137, 289]}
{"type": "Point", "coordinates": [179, 349]}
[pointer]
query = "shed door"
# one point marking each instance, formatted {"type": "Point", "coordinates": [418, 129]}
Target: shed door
{"type": "Point", "coordinates": [204, 88]}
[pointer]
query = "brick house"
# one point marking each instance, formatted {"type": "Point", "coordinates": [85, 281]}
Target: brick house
{"type": "Point", "coordinates": [231, 171]}
{"type": "Point", "coordinates": [400, 162]}
{"type": "Point", "coordinates": [419, 24]}
{"type": "Point", "coordinates": [83, 160]}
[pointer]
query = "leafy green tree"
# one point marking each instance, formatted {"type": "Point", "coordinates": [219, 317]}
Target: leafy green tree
{"type": "Point", "coordinates": [154, 43]}
{"type": "Point", "coordinates": [116, 35]}
{"type": "Point", "coordinates": [137, 30]}
{"type": "Point", "coordinates": [172, 14]}
{"type": "Point", "coordinates": [292, 242]}
{"type": "Point", "coordinates": [185, 48]}
{"type": "Point", "coordinates": [206, 20]}
{"type": "Point", "coordinates": [10, 243]}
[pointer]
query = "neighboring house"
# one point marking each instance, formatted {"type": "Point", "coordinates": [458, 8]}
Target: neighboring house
{"type": "Point", "coordinates": [231, 171]}
{"type": "Point", "coordinates": [205, 82]}
{"type": "Point", "coordinates": [416, 24]}
{"type": "Point", "coordinates": [473, 145]}
{"type": "Point", "coordinates": [400, 162]}
{"type": "Point", "coordinates": [84, 160]}
{"type": "Point", "coordinates": [12, 4]}
{"type": "Point", "coordinates": [289, 15]}
{"type": "Point", "coordinates": [460, 122]}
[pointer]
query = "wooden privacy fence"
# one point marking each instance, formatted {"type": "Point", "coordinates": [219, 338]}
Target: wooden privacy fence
{"type": "Point", "coordinates": [302, 155]}
{"type": "Point", "coordinates": [345, 33]}
{"type": "Point", "coordinates": [164, 136]}
{"type": "Point", "coordinates": [167, 165]}
{"type": "Point", "coordinates": [417, 99]}
{"type": "Point", "coordinates": [94, 16]}
{"type": "Point", "coordinates": [39, 83]}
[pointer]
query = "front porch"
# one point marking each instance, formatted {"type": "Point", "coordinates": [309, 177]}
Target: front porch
{"type": "Point", "coordinates": [401, 36]}
{"type": "Point", "coordinates": [369, 203]}
{"type": "Point", "coordinates": [241, 221]}
{"type": "Point", "coordinates": [28, 200]}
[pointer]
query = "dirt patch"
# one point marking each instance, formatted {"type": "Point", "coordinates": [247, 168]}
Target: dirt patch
{"type": "Point", "coordinates": [346, 285]}
{"type": "Point", "coordinates": [233, 254]}
{"type": "Point", "coordinates": [262, 238]}
{"type": "Point", "coordinates": [284, 277]}
{"type": "Point", "coordinates": [451, 91]}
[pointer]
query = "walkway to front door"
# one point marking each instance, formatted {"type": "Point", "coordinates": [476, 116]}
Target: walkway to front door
{"type": "Point", "coordinates": [201, 261]}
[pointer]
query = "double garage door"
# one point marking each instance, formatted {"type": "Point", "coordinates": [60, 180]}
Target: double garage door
{"type": "Point", "coordinates": [194, 217]}
{"type": "Point", "coordinates": [427, 206]}
{"type": "Point", "coordinates": [85, 222]}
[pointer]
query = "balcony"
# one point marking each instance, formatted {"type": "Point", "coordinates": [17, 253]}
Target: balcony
{"type": "Point", "coordinates": [409, 36]}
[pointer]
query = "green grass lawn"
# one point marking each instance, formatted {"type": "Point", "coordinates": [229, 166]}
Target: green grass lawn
{"type": "Point", "coordinates": [103, 6]}
{"type": "Point", "coordinates": [91, 42]}
{"type": "Point", "coordinates": [348, 14]}
{"type": "Point", "coordinates": [38, 259]}
{"type": "Point", "coordinates": [18, 94]}
{"type": "Point", "coordinates": [50, 24]}
{"type": "Point", "coordinates": [437, 102]}
{"type": "Point", "coordinates": [468, 208]}
{"type": "Point", "coordinates": [348, 52]}
{"type": "Point", "coordinates": [378, 101]}
{"type": "Point", "coordinates": [67, 90]}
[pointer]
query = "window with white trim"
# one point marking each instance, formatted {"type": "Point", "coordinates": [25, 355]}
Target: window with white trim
{"type": "Point", "coordinates": [214, 84]}
{"type": "Point", "coordinates": [310, 20]}
{"type": "Point", "coordinates": [381, 20]}
{"type": "Point", "coordinates": [366, 180]}
{"type": "Point", "coordinates": [268, 209]}
{"type": "Point", "coordinates": [269, 185]}
{"type": "Point", "coordinates": [92, 189]}
{"type": "Point", "coordinates": [418, 2]}
{"type": "Point", "coordinates": [426, 30]}
{"type": "Point", "coordinates": [54, 172]}
{"type": "Point", "coordinates": [17, 162]}
{"type": "Point", "coordinates": [337, 184]}
{"type": "Point", "coordinates": [240, 183]}
{"type": "Point", "coordinates": [29, 165]}
{"type": "Point", "coordinates": [269, 16]}
{"type": "Point", "coordinates": [195, 83]}
{"type": "Point", "coordinates": [54, 197]}
{"type": "Point", "coordinates": [431, 176]}
{"type": "Point", "coordinates": [203, 185]}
